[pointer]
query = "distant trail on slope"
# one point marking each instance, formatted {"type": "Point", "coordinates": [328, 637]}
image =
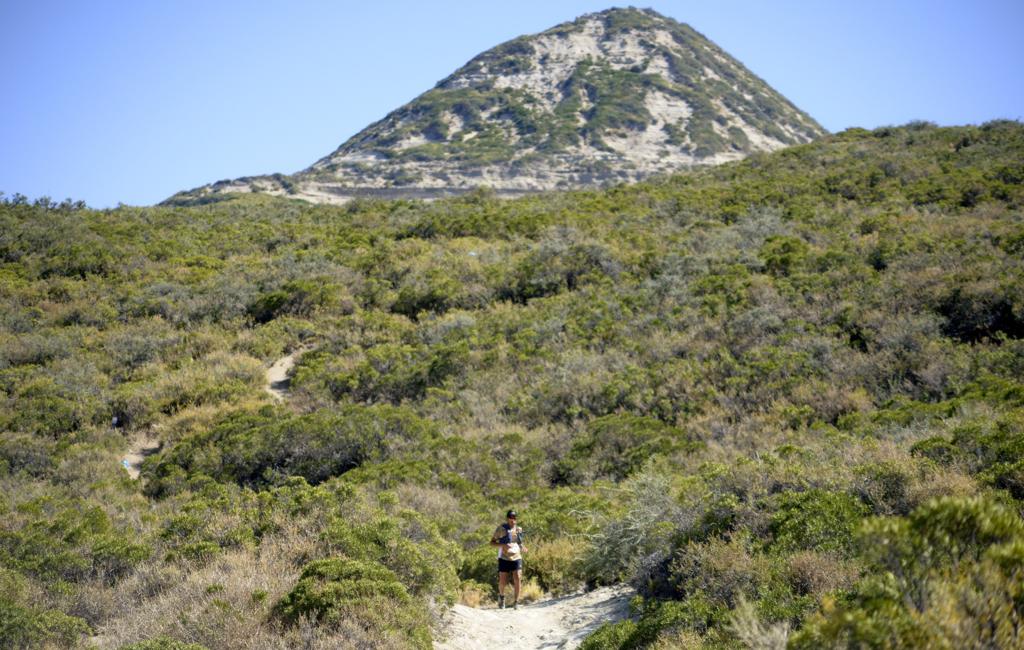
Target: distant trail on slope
{"type": "Point", "coordinates": [276, 385]}
{"type": "Point", "coordinates": [554, 624]}
{"type": "Point", "coordinates": [277, 375]}
{"type": "Point", "coordinates": [143, 446]}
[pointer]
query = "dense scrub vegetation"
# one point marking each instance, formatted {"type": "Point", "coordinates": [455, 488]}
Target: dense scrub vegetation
{"type": "Point", "coordinates": [485, 115]}
{"type": "Point", "coordinates": [782, 397]}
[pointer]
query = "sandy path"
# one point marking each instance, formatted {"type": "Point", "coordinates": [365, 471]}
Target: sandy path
{"type": "Point", "coordinates": [277, 386]}
{"type": "Point", "coordinates": [555, 624]}
{"type": "Point", "coordinates": [277, 375]}
{"type": "Point", "coordinates": [141, 447]}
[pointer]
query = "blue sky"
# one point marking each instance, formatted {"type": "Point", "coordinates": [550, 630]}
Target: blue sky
{"type": "Point", "coordinates": [110, 101]}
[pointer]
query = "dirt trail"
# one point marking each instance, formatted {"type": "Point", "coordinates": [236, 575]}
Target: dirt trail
{"type": "Point", "coordinates": [554, 624]}
{"type": "Point", "coordinates": [277, 386]}
{"type": "Point", "coordinates": [141, 447]}
{"type": "Point", "coordinates": [277, 375]}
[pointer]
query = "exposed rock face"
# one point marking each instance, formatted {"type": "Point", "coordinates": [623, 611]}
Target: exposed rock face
{"type": "Point", "coordinates": [613, 96]}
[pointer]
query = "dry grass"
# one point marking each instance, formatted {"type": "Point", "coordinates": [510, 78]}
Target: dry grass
{"type": "Point", "coordinates": [941, 482]}
{"type": "Point", "coordinates": [225, 604]}
{"type": "Point", "coordinates": [679, 640]}
{"type": "Point", "coordinates": [755, 634]}
{"type": "Point", "coordinates": [557, 565]}
{"type": "Point", "coordinates": [725, 570]}
{"type": "Point", "coordinates": [816, 573]}
{"type": "Point", "coordinates": [474, 594]}
{"type": "Point", "coordinates": [530, 591]}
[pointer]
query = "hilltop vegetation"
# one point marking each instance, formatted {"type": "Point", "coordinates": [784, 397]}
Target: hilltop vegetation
{"type": "Point", "coordinates": [782, 397]}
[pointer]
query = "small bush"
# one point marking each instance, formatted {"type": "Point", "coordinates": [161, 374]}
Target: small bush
{"type": "Point", "coordinates": [815, 573]}
{"type": "Point", "coordinates": [615, 446]}
{"type": "Point", "coordinates": [297, 298]}
{"type": "Point", "coordinates": [816, 520]}
{"type": "Point", "coordinates": [24, 626]}
{"type": "Point", "coordinates": [724, 571]}
{"type": "Point", "coordinates": [474, 594]}
{"type": "Point", "coordinates": [332, 590]}
{"type": "Point", "coordinates": [937, 449]}
{"type": "Point", "coordinates": [556, 565]}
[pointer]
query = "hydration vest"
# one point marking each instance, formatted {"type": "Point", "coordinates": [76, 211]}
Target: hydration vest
{"type": "Point", "coordinates": [507, 538]}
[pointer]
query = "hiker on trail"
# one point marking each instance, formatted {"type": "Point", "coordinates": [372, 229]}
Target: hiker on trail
{"type": "Point", "coordinates": [509, 537]}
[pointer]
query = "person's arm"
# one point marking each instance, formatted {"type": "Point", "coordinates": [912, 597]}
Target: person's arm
{"type": "Point", "coordinates": [495, 542]}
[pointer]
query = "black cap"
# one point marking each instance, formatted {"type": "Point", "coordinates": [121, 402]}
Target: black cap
{"type": "Point", "coordinates": [511, 513]}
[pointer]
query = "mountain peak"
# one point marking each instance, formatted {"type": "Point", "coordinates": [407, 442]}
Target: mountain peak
{"type": "Point", "coordinates": [616, 95]}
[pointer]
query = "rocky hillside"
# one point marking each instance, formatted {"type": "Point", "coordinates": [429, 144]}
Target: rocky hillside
{"type": "Point", "coordinates": [613, 96]}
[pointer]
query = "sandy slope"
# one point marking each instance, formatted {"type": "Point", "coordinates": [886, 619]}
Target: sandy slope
{"type": "Point", "coordinates": [558, 623]}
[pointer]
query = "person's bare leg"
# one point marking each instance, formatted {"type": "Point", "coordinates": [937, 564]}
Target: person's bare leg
{"type": "Point", "coordinates": [516, 580]}
{"type": "Point", "coordinates": [502, 580]}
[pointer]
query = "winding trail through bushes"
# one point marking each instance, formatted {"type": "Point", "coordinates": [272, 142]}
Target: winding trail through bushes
{"type": "Point", "coordinates": [276, 385]}
{"type": "Point", "coordinates": [553, 624]}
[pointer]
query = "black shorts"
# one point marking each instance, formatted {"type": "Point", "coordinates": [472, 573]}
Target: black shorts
{"type": "Point", "coordinates": [508, 566]}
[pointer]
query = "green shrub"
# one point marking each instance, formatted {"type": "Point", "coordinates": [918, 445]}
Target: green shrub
{"type": "Point", "coordinates": [884, 487]}
{"type": "Point", "coordinates": [481, 565]}
{"type": "Point", "coordinates": [336, 589]}
{"type": "Point", "coordinates": [297, 298]}
{"type": "Point", "coordinates": [64, 539]}
{"type": "Point", "coordinates": [948, 575]}
{"type": "Point", "coordinates": [783, 255]}
{"type": "Point", "coordinates": [115, 555]}
{"type": "Point", "coordinates": [26, 453]}
{"type": "Point", "coordinates": [615, 446]}
{"type": "Point", "coordinates": [937, 449]}
{"type": "Point", "coordinates": [557, 565]}
{"type": "Point", "coordinates": [724, 571]}
{"type": "Point", "coordinates": [816, 520]}
{"type": "Point", "coordinates": [434, 292]}
{"type": "Point", "coordinates": [563, 512]}
{"type": "Point", "coordinates": [407, 544]}
{"type": "Point", "coordinates": [1006, 476]}
{"type": "Point", "coordinates": [47, 409]}
{"type": "Point", "coordinates": [657, 617]}
{"type": "Point", "coordinates": [611, 636]}
{"type": "Point", "coordinates": [982, 310]}
{"type": "Point", "coordinates": [395, 373]}
{"type": "Point", "coordinates": [24, 626]}
{"type": "Point", "coordinates": [942, 531]}
{"type": "Point", "coordinates": [262, 448]}
{"type": "Point", "coordinates": [561, 261]}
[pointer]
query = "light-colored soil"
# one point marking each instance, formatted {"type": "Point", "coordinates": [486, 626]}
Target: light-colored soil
{"type": "Point", "coordinates": [141, 447]}
{"type": "Point", "coordinates": [277, 375]}
{"type": "Point", "coordinates": [553, 624]}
